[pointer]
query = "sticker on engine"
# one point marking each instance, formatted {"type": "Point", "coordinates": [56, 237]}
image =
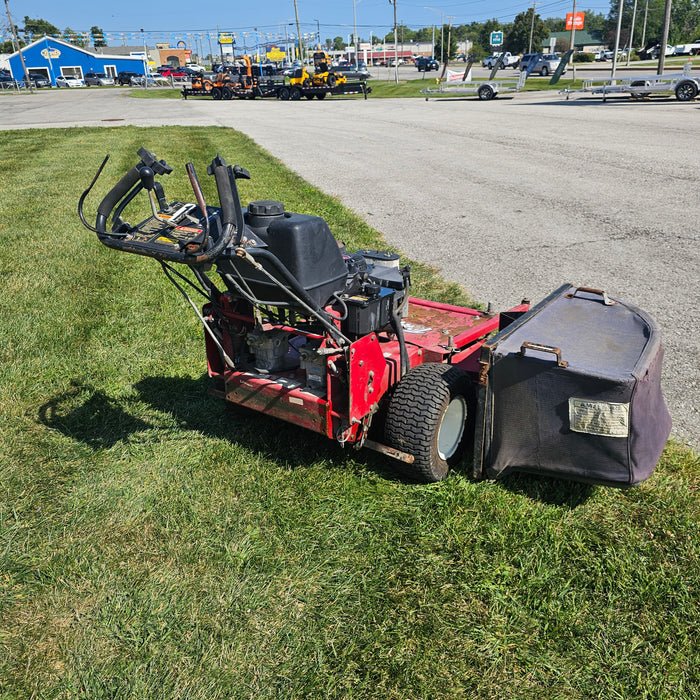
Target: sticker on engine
{"type": "Point", "coordinates": [599, 417]}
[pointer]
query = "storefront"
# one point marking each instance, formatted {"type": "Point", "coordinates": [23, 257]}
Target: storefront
{"type": "Point", "coordinates": [53, 58]}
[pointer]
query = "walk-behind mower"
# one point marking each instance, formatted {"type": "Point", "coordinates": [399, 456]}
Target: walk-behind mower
{"type": "Point", "coordinates": [330, 340]}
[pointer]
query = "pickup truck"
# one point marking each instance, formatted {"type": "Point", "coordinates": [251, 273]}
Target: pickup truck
{"type": "Point", "coordinates": [509, 61]}
{"type": "Point", "coordinates": [684, 49]}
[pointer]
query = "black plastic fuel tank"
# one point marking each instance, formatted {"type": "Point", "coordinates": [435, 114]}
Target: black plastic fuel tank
{"type": "Point", "coordinates": [303, 244]}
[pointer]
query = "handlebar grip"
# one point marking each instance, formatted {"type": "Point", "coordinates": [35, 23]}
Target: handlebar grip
{"type": "Point", "coordinates": [224, 188]}
{"type": "Point", "coordinates": [116, 193]}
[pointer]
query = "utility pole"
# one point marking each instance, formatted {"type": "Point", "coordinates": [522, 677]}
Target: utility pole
{"type": "Point", "coordinates": [354, 32]}
{"type": "Point", "coordinates": [573, 35]}
{"type": "Point", "coordinates": [629, 47]}
{"type": "Point", "coordinates": [301, 46]}
{"type": "Point", "coordinates": [19, 48]}
{"type": "Point", "coordinates": [664, 38]}
{"type": "Point", "coordinates": [532, 27]}
{"type": "Point", "coordinates": [396, 45]}
{"type": "Point", "coordinates": [617, 38]}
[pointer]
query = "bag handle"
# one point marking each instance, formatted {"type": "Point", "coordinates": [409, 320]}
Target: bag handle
{"type": "Point", "coordinates": [527, 345]}
{"type": "Point", "coordinates": [606, 299]}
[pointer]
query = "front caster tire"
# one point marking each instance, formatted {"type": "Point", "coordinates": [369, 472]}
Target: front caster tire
{"type": "Point", "coordinates": [431, 416]}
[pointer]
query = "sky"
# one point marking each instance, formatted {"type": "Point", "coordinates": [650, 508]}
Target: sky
{"type": "Point", "coordinates": [183, 19]}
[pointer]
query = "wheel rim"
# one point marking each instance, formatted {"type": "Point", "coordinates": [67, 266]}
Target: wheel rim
{"type": "Point", "coordinates": [452, 427]}
{"type": "Point", "coordinates": [686, 92]}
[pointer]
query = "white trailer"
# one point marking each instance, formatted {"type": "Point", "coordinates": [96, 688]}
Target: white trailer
{"type": "Point", "coordinates": [485, 89]}
{"type": "Point", "coordinates": [685, 86]}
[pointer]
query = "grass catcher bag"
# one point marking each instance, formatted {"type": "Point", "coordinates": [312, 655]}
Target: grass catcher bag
{"type": "Point", "coordinates": [572, 389]}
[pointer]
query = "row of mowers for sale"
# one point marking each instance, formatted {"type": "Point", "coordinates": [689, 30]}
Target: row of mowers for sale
{"type": "Point", "coordinates": [300, 328]}
{"type": "Point", "coordinates": [248, 82]}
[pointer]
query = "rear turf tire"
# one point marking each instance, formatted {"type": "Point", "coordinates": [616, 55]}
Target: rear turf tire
{"type": "Point", "coordinates": [431, 416]}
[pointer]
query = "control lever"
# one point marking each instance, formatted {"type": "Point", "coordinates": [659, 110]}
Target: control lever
{"type": "Point", "coordinates": [148, 182]}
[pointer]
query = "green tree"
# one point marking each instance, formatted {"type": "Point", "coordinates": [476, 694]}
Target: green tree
{"type": "Point", "coordinates": [36, 28]}
{"type": "Point", "coordinates": [525, 32]}
{"type": "Point", "coordinates": [491, 25]}
{"type": "Point", "coordinates": [98, 37]}
{"type": "Point", "coordinates": [685, 21]}
{"type": "Point", "coordinates": [450, 50]}
{"type": "Point", "coordinates": [8, 46]}
{"type": "Point", "coordinates": [73, 37]}
{"type": "Point", "coordinates": [556, 24]}
{"type": "Point", "coordinates": [339, 44]}
{"type": "Point", "coordinates": [594, 21]}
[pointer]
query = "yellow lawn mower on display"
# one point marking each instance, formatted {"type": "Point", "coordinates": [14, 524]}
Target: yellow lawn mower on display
{"type": "Point", "coordinates": [321, 77]}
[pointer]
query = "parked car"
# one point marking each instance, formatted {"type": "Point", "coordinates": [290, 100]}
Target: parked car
{"type": "Point", "coordinates": [426, 64]}
{"type": "Point", "coordinates": [509, 61]}
{"type": "Point", "coordinates": [542, 63]}
{"type": "Point", "coordinates": [171, 72]}
{"type": "Point", "coordinates": [7, 82]}
{"type": "Point", "coordinates": [352, 72]}
{"type": "Point", "coordinates": [130, 78]}
{"type": "Point", "coordinates": [196, 68]}
{"type": "Point", "coordinates": [157, 79]}
{"type": "Point", "coordinates": [98, 79]}
{"type": "Point", "coordinates": [69, 81]}
{"type": "Point", "coordinates": [36, 79]}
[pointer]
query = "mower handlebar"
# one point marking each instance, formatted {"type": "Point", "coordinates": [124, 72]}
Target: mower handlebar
{"type": "Point", "coordinates": [132, 178]}
{"type": "Point", "coordinates": [141, 176]}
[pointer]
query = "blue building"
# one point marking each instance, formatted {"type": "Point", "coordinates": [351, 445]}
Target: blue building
{"type": "Point", "coordinates": [53, 57]}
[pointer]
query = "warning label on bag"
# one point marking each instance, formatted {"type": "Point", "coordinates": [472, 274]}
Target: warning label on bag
{"type": "Point", "coordinates": [599, 417]}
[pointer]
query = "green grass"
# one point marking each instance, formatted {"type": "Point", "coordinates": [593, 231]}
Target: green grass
{"type": "Point", "coordinates": [156, 544]}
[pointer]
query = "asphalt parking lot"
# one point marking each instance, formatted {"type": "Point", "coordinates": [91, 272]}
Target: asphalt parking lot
{"type": "Point", "coordinates": [510, 197]}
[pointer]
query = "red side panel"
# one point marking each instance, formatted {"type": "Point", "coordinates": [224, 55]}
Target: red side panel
{"type": "Point", "coordinates": [368, 376]}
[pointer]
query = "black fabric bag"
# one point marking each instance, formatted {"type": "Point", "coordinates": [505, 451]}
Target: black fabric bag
{"type": "Point", "coordinates": [572, 389]}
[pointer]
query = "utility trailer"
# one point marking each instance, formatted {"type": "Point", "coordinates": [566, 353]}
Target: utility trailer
{"type": "Point", "coordinates": [486, 89]}
{"type": "Point", "coordinates": [276, 88]}
{"type": "Point", "coordinates": [450, 83]}
{"type": "Point", "coordinates": [301, 329]}
{"type": "Point", "coordinates": [684, 85]}
{"type": "Point", "coordinates": [249, 88]}
{"type": "Point", "coordinates": [320, 92]}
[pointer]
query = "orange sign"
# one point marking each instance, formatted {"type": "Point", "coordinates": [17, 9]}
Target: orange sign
{"type": "Point", "coordinates": [574, 21]}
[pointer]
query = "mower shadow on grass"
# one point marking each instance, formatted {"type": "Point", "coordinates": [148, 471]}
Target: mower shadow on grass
{"type": "Point", "coordinates": [92, 417]}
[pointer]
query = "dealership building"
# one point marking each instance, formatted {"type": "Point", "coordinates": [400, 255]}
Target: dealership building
{"type": "Point", "coordinates": [53, 57]}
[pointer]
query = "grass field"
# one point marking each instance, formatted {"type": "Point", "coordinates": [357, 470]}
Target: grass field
{"type": "Point", "coordinates": [156, 544]}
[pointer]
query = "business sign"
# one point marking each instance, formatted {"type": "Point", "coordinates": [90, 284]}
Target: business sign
{"type": "Point", "coordinates": [496, 38]}
{"type": "Point", "coordinates": [574, 21]}
{"type": "Point", "coordinates": [275, 54]}
{"type": "Point", "coordinates": [225, 38]}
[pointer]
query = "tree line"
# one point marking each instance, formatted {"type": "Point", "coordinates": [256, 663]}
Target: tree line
{"type": "Point", "coordinates": [523, 32]}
